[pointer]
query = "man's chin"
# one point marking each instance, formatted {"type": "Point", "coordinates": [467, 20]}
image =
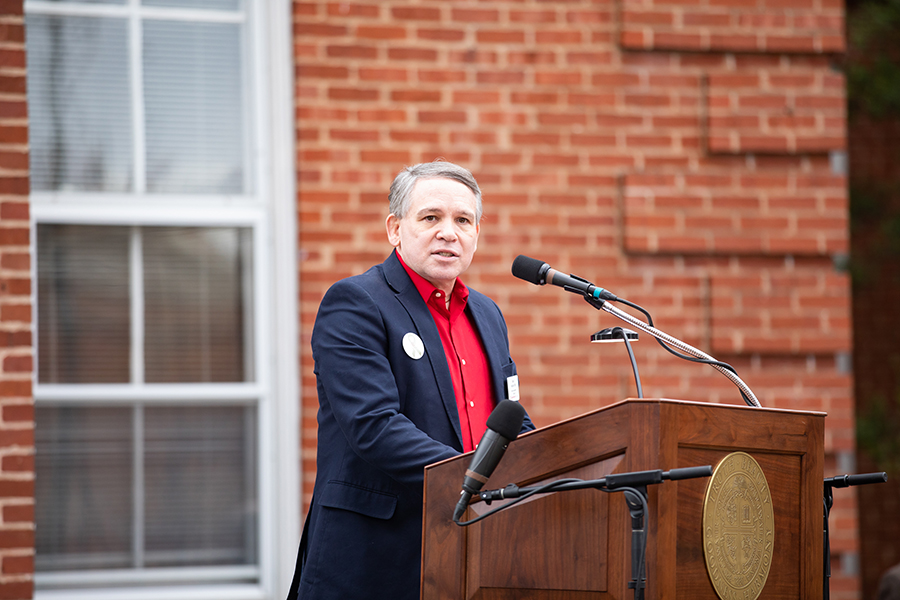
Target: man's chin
{"type": "Point", "coordinates": [442, 275]}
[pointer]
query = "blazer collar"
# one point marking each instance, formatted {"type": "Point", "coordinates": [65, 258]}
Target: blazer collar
{"type": "Point", "coordinates": [396, 275]}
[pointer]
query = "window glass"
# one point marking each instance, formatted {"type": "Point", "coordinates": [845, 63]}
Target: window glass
{"type": "Point", "coordinates": [194, 106]}
{"type": "Point", "coordinates": [142, 487]}
{"type": "Point", "coordinates": [79, 104]}
{"type": "Point", "coordinates": [206, 4]}
{"type": "Point", "coordinates": [83, 304]}
{"type": "Point", "coordinates": [194, 281]}
{"type": "Point", "coordinates": [83, 488]}
{"type": "Point", "coordinates": [208, 455]}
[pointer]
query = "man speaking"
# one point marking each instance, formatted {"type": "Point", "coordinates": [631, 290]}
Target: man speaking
{"type": "Point", "coordinates": [409, 363]}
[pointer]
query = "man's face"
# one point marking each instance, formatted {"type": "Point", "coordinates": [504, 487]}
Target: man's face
{"type": "Point", "coordinates": [438, 236]}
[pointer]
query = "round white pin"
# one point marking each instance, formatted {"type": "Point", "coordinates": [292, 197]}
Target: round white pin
{"type": "Point", "coordinates": [413, 346]}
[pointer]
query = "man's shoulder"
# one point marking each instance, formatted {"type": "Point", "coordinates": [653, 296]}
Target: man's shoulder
{"type": "Point", "coordinates": [356, 288]}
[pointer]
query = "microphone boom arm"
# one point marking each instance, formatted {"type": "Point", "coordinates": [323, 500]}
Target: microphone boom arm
{"type": "Point", "coordinates": [676, 343]}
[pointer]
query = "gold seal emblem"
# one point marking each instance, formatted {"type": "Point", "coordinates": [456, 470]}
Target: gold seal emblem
{"type": "Point", "coordinates": [738, 528]}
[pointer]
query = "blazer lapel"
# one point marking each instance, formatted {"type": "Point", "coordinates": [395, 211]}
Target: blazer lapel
{"type": "Point", "coordinates": [411, 300]}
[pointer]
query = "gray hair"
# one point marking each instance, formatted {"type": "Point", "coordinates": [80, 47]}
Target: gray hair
{"type": "Point", "coordinates": [401, 188]}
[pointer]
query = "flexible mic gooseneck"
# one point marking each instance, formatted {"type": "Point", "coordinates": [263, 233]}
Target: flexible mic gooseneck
{"type": "Point", "coordinates": [540, 273]}
{"type": "Point", "coordinates": [503, 426]}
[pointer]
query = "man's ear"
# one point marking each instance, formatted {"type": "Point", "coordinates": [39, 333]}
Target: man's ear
{"type": "Point", "coordinates": [392, 225]}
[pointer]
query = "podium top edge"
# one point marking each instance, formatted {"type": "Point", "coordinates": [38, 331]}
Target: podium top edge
{"type": "Point", "coordinates": [697, 403]}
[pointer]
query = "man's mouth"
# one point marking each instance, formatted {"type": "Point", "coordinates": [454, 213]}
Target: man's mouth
{"type": "Point", "coordinates": [446, 253]}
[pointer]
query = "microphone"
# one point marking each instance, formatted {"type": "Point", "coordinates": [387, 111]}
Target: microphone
{"type": "Point", "coordinates": [503, 426]}
{"type": "Point", "coordinates": [540, 273]}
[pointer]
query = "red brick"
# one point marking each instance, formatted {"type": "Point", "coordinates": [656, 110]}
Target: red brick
{"type": "Point", "coordinates": [322, 72]}
{"type": "Point", "coordinates": [14, 488]}
{"type": "Point", "coordinates": [381, 32]}
{"type": "Point", "coordinates": [442, 34]}
{"type": "Point", "coordinates": [357, 94]}
{"type": "Point", "coordinates": [511, 77]}
{"type": "Point", "coordinates": [792, 43]}
{"type": "Point", "coordinates": [734, 42]}
{"type": "Point", "coordinates": [319, 29]}
{"type": "Point", "coordinates": [482, 138]}
{"type": "Point", "coordinates": [416, 136]}
{"type": "Point", "coordinates": [592, 140]}
{"type": "Point", "coordinates": [678, 41]}
{"type": "Point", "coordinates": [500, 36]}
{"type": "Point", "coordinates": [589, 99]}
{"type": "Point", "coordinates": [644, 100]}
{"type": "Point", "coordinates": [416, 13]}
{"type": "Point", "coordinates": [352, 51]}
{"type": "Point", "coordinates": [472, 15]}
{"type": "Point", "coordinates": [17, 462]}
{"type": "Point", "coordinates": [476, 97]}
{"type": "Point", "coordinates": [17, 364]}
{"type": "Point", "coordinates": [591, 58]}
{"type": "Point", "coordinates": [18, 565]}
{"type": "Point", "coordinates": [14, 211]}
{"type": "Point", "coordinates": [385, 156]}
{"type": "Point", "coordinates": [416, 95]}
{"type": "Point", "coordinates": [442, 116]}
{"type": "Point", "coordinates": [572, 36]}
{"type": "Point", "coordinates": [413, 54]}
{"type": "Point", "coordinates": [16, 590]}
{"type": "Point", "coordinates": [532, 16]}
{"type": "Point", "coordinates": [16, 109]}
{"type": "Point", "coordinates": [441, 76]}
{"type": "Point", "coordinates": [530, 57]}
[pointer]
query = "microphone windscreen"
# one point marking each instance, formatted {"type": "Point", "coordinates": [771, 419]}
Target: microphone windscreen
{"type": "Point", "coordinates": [528, 269]}
{"type": "Point", "coordinates": [506, 419]}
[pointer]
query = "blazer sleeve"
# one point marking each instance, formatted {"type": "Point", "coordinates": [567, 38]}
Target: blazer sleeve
{"type": "Point", "coordinates": [357, 386]}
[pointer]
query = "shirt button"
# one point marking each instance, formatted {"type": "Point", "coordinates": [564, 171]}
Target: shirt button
{"type": "Point", "coordinates": [464, 362]}
{"type": "Point", "coordinates": [472, 404]}
{"type": "Point", "coordinates": [437, 294]}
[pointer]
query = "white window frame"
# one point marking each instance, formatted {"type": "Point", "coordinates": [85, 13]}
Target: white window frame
{"type": "Point", "coordinates": [269, 210]}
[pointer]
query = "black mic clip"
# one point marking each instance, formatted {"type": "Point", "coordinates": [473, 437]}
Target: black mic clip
{"type": "Point", "coordinates": [576, 290]}
{"type": "Point", "coordinates": [510, 491]}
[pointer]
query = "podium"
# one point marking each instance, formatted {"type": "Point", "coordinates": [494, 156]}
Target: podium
{"type": "Point", "coordinates": [577, 545]}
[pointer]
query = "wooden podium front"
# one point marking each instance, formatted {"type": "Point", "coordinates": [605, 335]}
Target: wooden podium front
{"type": "Point", "coordinates": [576, 545]}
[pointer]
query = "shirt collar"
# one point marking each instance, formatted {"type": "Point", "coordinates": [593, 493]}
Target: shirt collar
{"type": "Point", "coordinates": [459, 294]}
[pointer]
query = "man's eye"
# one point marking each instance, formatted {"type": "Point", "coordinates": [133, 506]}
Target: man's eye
{"type": "Point", "coordinates": [430, 218]}
{"type": "Point", "coordinates": [463, 220]}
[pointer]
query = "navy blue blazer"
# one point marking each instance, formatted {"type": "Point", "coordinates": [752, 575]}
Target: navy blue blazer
{"type": "Point", "coordinates": [383, 416]}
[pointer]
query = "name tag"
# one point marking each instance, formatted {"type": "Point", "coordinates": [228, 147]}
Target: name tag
{"type": "Point", "coordinates": [512, 387]}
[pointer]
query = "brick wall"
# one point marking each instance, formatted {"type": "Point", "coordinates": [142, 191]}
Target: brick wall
{"type": "Point", "coordinates": [677, 155]}
{"type": "Point", "coordinates": [16, 357]}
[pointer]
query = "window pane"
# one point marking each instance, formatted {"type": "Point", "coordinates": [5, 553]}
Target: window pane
{"type": "Point", "coordinates": [78, 104]}
{"type": "Point", "coordinates": [83, 487]}
{"type": "Point", "coordinates": [194, 281]}
{"type": "Point", "coordinates": [205, 4]}
{"type": "Point", "coordinates": [194, 107]}
{"type": "Point", "coordinates": [201, 486]}
{"type": "Point", "coordinates": [92, 1]}
{"type": "Point", "coordinates": [83, 304]}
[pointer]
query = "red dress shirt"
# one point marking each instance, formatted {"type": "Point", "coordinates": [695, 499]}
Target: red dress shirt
{"type": "Point", "coordinates": [465, 356]}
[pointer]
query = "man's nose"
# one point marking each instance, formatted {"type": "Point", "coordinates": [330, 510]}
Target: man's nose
{"type": "Point", "coordinates": [447, 230]}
